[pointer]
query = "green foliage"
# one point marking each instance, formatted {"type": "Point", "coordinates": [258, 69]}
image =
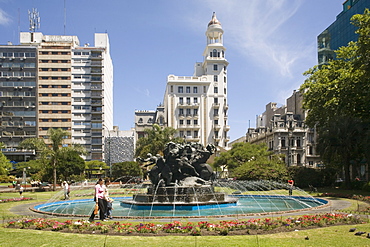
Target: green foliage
{"type": "Point", "coordinates": [5, 165]}
{"type": "Point", "coordinates": [304, 176]}
{"type": "Point", "coordinates": [127, 168]}
{"type": "Point", "coordinates": [155, 140]}
{"type": "Point", "coordinates": [252, 162]}
{"type": "Point", "coordinates": [69, 163]}
{"type": "Point", "coordinates": [95, 164]}
{"type": "Point", "coordinates": [337, 96]}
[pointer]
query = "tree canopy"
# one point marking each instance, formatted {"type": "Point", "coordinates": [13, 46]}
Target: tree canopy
{"type": "Point", "coordinates": [337, 97]}
{"type": "Point", "coordinates": [155, 139]}
{"type": "Point", "coordinates": [252, 162]}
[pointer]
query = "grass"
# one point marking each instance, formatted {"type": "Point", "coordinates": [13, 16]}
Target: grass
{"type": "Point", "coordinates": [329, 236]}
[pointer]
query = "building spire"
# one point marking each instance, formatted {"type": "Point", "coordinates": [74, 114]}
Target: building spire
{"type": "Point", "coordinates": [214, 20]}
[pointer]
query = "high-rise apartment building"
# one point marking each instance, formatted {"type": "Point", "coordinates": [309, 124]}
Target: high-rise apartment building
{"type": "Point", "coordinates": [197, 105]}
{"type": "Point", "coordinates": [58, 84]}
{"type": "Point", "coordinates": [341, 31]}
{"type": "Point", "coordinates": [18, 89]}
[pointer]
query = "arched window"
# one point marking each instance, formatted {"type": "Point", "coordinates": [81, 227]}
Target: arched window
{"type": "Point", "coordinates": [214, 53]}
{"type": "Point", "coordinates": [150, 120]}
{"type": "Point", "coordinates": [140, 120]}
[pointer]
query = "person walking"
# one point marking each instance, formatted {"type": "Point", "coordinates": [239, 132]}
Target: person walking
{"type": "Point", "coordinates": [290, 183]}
{"type": "Point", "coordinates": [66, 190]}
{"type": "Point", "coordinates": [108, 200]}
{"type": "Point", "coordinates": [99, 198]}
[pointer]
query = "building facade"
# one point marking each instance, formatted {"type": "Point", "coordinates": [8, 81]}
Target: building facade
{"type": "Point", "coordinates": [283, 130]}
{"type": "Point", "coordinates": [58, 84]}
{"type": "Point", "coordinates": [341, 31]}
{"type": "Point", "coordinates": [197, 105]}
{"type": "Point", "coordinates": [18, 94]}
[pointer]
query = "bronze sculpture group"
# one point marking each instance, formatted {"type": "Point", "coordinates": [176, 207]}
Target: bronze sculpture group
{"type": "Point", "coordinates": [181, 163]}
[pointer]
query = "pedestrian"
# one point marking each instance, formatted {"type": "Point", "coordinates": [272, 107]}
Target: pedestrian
{"type": "Point", "coordinates": [99, 201]}
{"type": "Point", "coordinates": [21, 191]}
{"type": "Point", "coordinates": [290, 183]}
{"type": "Point", "coordinates": [66, 190]}
{"type": "Point", "coordinates": [109, 201]}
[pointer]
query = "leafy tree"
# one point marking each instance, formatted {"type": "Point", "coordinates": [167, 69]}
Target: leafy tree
{"type": "Point", "coordinates": [53, 152]}
{"type": "Point", "coordinates": [127, 168]}
{"type": "Point", "coordinates": [94, 165]}
{"type": "Point", "coordinates": [252, 162]}
{"type": "Point", "coordinates": [70, 163]}
{"type": "Point", "coordinates": [5, 165]}
{"type": "Point", "coordinates": [337, 96]}
{"type": "Point", "coordinates": [155, 139]}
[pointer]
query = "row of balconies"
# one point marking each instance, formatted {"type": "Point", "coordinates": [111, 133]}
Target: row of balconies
{"type": "Point", "coordinates": [181, 116]}
{"type": "Point", "coordinates": [188, 126]}
{"type": "Point", "coordinates": [218, 127]}
{"type": "Point", "coordinates": [188, 105]}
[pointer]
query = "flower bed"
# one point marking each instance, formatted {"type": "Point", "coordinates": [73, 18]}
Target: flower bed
{"type": "Point", "coordinates": [16, 199]}
{"type": "Point", "coordinates": [234, 227]}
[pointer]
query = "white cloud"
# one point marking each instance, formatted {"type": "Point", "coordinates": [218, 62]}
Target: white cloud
{"type": "Point", "coordinates": [4, 18]}
{"type": "Point", "coordinates": [254, 28]}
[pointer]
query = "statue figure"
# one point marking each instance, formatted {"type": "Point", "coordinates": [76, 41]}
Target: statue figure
{"type": "Point", "coordinates": [182, 164]}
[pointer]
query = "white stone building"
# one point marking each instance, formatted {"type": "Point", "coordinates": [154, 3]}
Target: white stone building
{"type": "Point", "coordinates": [197, 105]}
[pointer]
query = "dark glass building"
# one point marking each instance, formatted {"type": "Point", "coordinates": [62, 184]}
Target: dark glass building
{"type": "Point", "coordinates": [341, 31]}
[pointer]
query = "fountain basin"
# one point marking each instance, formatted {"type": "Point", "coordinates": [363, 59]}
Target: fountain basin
{"type": "Point", "coordinates": [246, 205]}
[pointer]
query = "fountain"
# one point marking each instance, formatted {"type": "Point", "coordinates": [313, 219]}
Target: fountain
{"type": "Point", "coordinates": [181, 180]}
{"type": "Point", "coordinates": [183, 185]}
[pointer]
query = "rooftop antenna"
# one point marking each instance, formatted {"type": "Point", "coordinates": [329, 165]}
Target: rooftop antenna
{"type": "Point", "coordinates": [34, 20]}
{"type": "Point", "coordinates": [65, 17]}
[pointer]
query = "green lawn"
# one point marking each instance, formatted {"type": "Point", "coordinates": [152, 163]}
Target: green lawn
{"type": "Point", "coordinates": [329, 236]}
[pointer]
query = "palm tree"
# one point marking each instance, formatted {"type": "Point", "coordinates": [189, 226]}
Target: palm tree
{"type": "Point", "coordinates": [55, 149]}
{"type": "Point", "coordinates": [155, 139]}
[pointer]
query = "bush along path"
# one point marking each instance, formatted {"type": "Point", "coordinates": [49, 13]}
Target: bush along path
{"type": "Point", "coordinates": [233, 227]}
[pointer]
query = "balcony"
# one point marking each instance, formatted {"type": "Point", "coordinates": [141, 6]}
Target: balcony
{"type": "Point", "coordinates": [217, 127]}
{"type": "Point", "coordinates": [215, 105]}
{"type": "Point", "coordinates": [226, 106]}
{"type": "Point", "coordinates": [227, 127]}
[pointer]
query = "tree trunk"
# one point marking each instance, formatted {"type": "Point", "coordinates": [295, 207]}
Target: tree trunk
{"type": "Point", "coordinates": [54, 176]}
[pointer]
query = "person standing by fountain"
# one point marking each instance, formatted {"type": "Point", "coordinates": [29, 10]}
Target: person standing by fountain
{"type": "Point", "coordinates": [108, 201]}
{"type": "Point", "coordinates": [99, 196]}
{"type": "Point", "coordinates": [66, 190]}
{"type": "Point", "coordinates": [290, 183]}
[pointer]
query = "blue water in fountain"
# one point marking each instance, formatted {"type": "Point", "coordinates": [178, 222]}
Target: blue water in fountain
{"type": "Point", "coordinates": [254, 198]}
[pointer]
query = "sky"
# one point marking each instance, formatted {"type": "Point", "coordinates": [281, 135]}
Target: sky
{"type": "Point", "coordinates": [270, 43]}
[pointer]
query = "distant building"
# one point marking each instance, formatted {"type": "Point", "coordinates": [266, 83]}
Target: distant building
{"type": "Point", "coordinates": [119, 146]}
{"type": "Point", "coordinates": [283, 130]}
{"type": "Point", "coordinates": [341, 31]}
{"type": "Point", "coordinates": [197, 105]}
{"type": "Point", "coordinates": [50, 81]}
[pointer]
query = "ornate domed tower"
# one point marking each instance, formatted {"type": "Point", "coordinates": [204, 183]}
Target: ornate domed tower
{"type": "Point", "coordinates": [197, 105]}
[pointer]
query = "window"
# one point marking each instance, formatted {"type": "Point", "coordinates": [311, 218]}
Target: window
{"type": "Point", "coordinates": [187, 89]}
{"type": "Point", "coordinates": [181, 122]}
{"type": "Point", "coordinates": [150, 120]}
{"type": "Point", "coordinates": [195, 112]}
{"type": "Point", "coordinates": [171, 89]}
{"type": "Point", "coordinates": [188, 100]}
{"type": "Point", "coordinates": [299, 142]}
{"type": "Point", "coordinates": [214, 53]}
{"type": "Point", "coordinates": [204, 89]}
{"type": "Point", "coordinates": [215, 67]}
{"type": "Point", "coordinates": [195, 133]}
{"type": "Point", "coordinates": [225, 79]}
{"type": "Point", "coordinates": [140, 120]}
{"type": "Point", "coordinates": [181, 133]}
{"type": "Point", "coordinates": [180, 89]}
{"type": "Point", "coordinates": [195, 89]}
{"type": "Point", "coordinates": [215, 89]}
{"type": "Point", "coordinates": [195, 121]}
{"type": "Point", "coordinates": [181, 111]}
{"type": "Point", "coordinates": [216, 122]}
{"type": "Point", "coordinates": [195, 100]}
{"type": "Point", "coordinates": [215, 112]}
{"type": "Point", "coordinates": [215, 78]}
{"type": "Point", "coordinates": [283, 142]}
{"type": "Point", "coordinates": [188, 122]}
{"type": "Point", "coordinates": [181, 100]}
{"type": "Point", "coordinates": [188, 112]}
{"type": "Point", "coordinates": [216, 134]}
{"type": "Point", "coordinates": [188, 133]}
{"type": "Point", "coordinates": [215, 100]}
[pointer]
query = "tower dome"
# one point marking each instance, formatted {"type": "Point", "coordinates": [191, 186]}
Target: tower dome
{"type": "Point", "coordinates": [214, 20]}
